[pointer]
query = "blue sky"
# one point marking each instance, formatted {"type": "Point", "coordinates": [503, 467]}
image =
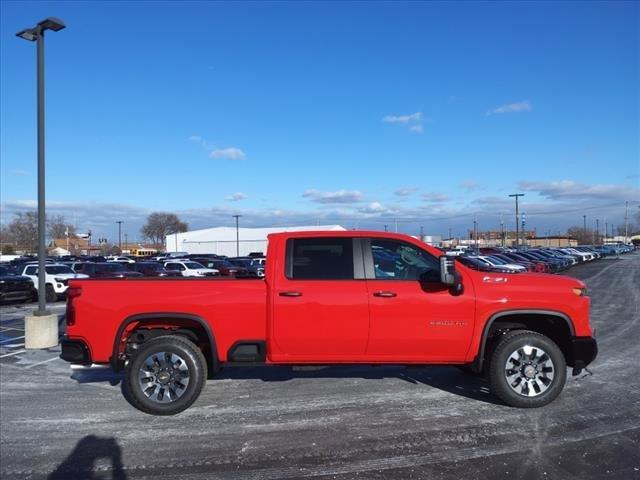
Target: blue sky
{"type": "Point", "coordinates": [351, 113]}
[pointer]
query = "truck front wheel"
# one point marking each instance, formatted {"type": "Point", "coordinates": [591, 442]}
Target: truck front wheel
{"type": "Point", "coordinates": [166, 376]}
{"type": "Point", "coordinates": [527, 369]}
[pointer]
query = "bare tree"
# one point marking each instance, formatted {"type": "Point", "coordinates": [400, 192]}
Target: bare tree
{"type": "Point", "coordinates": [23, 230]}
{"type": "Point", "coordinates": [59, 228]}
{"type": "Point", "coordinates": [160, 224]}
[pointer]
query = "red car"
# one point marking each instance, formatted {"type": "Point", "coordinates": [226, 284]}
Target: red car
{"type": "Point", "coordinates": [334, 298]}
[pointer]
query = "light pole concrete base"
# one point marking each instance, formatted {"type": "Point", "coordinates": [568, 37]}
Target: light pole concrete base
{"type": "Point", "coordinates": [41, 332]}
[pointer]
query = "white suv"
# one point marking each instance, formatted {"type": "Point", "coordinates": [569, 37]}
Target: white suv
{"type": "Point", "coordinates": [57, 278]}
{"type": "Point", "coordinates": [190, 268]}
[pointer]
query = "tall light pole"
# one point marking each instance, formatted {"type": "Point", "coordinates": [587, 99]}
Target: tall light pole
{"type": "Point", "coordinates": [516, 195]}
{"type": "Point", "coordinates": [120, 222]}
{"type": "Point", "coordinates": [36, 34]}
{"type": "Point", "coordinates": [237, 217]}
{"type": "Point", "coordinates": [626, 222]}
{"type": "Point", "coordinates": [597, 231]}
{"type": "Point", "coordinates": [584, 226]}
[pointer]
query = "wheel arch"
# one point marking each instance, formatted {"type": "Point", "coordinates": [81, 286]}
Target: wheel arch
{"type": "Point", "coordinates": [181, 322]}
{"type": "Point", "coordinates": [556, 325]}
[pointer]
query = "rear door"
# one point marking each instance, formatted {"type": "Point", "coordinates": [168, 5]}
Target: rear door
{"type": "Point", "coordinates": [413, 316]}
{"type": "Point", "coordinates": [320, 308]}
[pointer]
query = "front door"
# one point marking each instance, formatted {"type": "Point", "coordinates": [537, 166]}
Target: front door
{"type": "Point", "coordinates": [414, 317]}
{"type": "Point", "coordinates": [320, 307]}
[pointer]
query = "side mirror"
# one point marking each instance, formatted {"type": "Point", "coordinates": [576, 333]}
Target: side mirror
{"type": "Point", "coordinates": [448, 271]}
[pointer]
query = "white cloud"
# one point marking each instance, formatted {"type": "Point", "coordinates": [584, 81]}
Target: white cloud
{"type": "Point", "coordinates": [339, 196]}
{"type": "Point", "coordinates": [236, 197]}
{"type": "Point", "coordinates": [231, 153]}
{"type": "Point", "coordinates": [412, 121]}
{"type": "Point", "coordinates": [568, 189]}
{"type": "Point", "coordinates": [470, 185]}
{"type": "Point", "coordinates": [435, 197]}
{"type": "Point", "coordinates": [523, 106]}
{"type": "Point", "coordinates": [374, 208]}
{"type": "Point", "coordinates": [411, 118]}
{"type": "Point", "coordinates": [405, 191]}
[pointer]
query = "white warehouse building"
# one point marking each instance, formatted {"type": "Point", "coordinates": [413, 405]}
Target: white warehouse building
{"type": "Point", "coordinates": [222, 240]}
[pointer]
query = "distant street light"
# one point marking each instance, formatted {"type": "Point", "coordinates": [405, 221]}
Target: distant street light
{"type": "Point", "coordinates": [516, 195]}
{"type": "Point", "coordinates": [120, 222]}
{"type": "Point", "coordinates": [237, 217]}
{"type": "Point", "coordinates": [36, 34]}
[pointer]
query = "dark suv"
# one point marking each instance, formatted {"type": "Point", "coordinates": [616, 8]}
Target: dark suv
{"type": "Point", "coordinates": [153, 269]}
{"type": "Point", "coordinates": [108, 270]}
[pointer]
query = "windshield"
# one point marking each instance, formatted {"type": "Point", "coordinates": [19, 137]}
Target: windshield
{"type": "Point", "coordinates": [112, 267]}
{"type": "Point", "coordinates": [4, 271]}
{"type": "Point", "coordinates": [193, 265]}
{"type": "Point", "coordinates": [58, 269]}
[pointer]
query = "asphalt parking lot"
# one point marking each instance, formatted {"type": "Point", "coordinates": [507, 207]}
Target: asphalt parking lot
{"type": "Point", "coordinates": [333, 422]}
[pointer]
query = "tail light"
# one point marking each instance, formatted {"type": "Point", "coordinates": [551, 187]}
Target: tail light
{"type": "Point", "coordinates": [72, 293]}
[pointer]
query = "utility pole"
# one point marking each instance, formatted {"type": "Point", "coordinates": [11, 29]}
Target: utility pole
{"type": "Point", "coordinates": [516, 195]}
{"type": "Point", "coordinates": [475, 232]}
{"type": "Point", "coordinates": [237, 217]}
{"type": "Point", "coordinates": [584, 227]}
{"type": "Point", "coordinates": [449, 233]}
{"type": "Point", "coordinates": [120, 222]}
{"type": "Point", "coordinates": [126, 241]}
{"type": "Point", "coordinates": [385, 228]}
{"type": "Point", "coordinates": [597, 230]}
{"type": "Point", "coordinates": [626, 223]}
{"type": "Point", "coordinates": [421, 233]}
{"type": "Point", "coordinates": [501, 230]}
{"type": "Point", "coordinates": [606, 230]}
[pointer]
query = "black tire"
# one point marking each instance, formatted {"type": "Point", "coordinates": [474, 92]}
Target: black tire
{"type": "Point", "coordinates": [50, 293]}
{"type": "Point", "coordinates": [191, 361]}
{"type": "Point", "coordinates": [527, 369]}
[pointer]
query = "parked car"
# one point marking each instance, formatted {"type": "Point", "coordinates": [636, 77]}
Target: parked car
{"type": "Point", "coordinates": [189, 268]}
{"type": "Point", "coordinates": [115, 258]}
{"type": "Point", "coordinates": [153, 269]}
{"type": "Point", "coordinates": [108, 270]}
{"type": "Point", "coordinates": [482, 265]}
{"type": "Point", "coordinates": [57, 278]}
{"type": "Point", "coordinates": [225, 267]}
{"type": "Point", "coordinates": [16, 288]}
{"type": "Point", "coordinates": [495, 261]}
{"type": "Point", "coordinates": [252, 265]}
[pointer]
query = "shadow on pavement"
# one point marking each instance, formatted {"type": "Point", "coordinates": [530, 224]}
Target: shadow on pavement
{"type": "Point", "coordinates": [448, 379]}
{"type": "Point", "coordinates": [81, 462]}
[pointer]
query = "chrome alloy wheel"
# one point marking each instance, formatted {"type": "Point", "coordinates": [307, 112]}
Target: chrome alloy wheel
{"type": "Point", "coordinates": [529, 371]}
{"type": "Point", "coordinates": [163, 377]}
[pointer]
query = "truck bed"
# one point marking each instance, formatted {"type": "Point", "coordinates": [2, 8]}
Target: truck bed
{"type": "Point", "coordinates": [238, 304]}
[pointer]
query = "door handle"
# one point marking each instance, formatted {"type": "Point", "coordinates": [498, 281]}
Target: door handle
{"type": "Point", "coordinates": [385, 294]}
{"type": "Point", "coordinates": [290, 294]}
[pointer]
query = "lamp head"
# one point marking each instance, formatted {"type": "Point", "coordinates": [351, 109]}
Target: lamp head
{"type": "Point", "coordinates": [51, 23]}
{"type": "Point", "coordinates": [29, 34]}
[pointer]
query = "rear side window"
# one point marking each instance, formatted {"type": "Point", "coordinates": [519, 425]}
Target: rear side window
{"type": "Point", "coordinates": [320, 259]}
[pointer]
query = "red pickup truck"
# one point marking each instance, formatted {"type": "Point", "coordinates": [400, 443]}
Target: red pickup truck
{"type": "Point", "coordinates": [334, 298]}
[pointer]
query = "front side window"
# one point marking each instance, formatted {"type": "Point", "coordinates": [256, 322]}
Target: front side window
{"type": "Point", "coordinates": [396, 260]}
{"type": "Point", "coordinates": [320, 259]}
{"type": "Point", "coordinates": [31, 270]}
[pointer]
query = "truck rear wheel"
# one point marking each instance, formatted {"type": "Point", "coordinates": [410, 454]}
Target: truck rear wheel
{"type": "Point", "coordinates": [527, 369]}
{"type": "Point", "coordinates": [166, 376]}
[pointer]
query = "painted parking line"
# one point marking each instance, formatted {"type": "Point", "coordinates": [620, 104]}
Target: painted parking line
{"type": "Point", "coordinates": [11, 339]}
{"type": "Point", "coordinates": [4, 329]}
{"type": "Point", "coordinates": [40, 363]}
{"type": "Point", "coordinates": [13, 353]}
{"type": "Point", "coordinates": [13, 345]}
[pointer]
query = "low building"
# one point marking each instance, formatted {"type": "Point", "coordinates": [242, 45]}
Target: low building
{"type": "Point", "coordinates": [223, 240]}
{"type": "Point", "coordinates": [552, 241]}
{"type": "Point", "coordinates": [73, 246]}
